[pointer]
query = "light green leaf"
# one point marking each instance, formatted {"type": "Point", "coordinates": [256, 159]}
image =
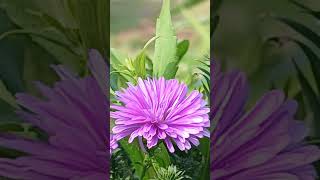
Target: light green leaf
{"type": "Point", "coordinates": [166, 43]}
{"type": "Point", "coordinates": [140, 65]}
{"type": "Point", "coordinates": [117, 59]}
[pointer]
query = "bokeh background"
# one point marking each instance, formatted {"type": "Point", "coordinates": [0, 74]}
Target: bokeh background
{"type": "Point", "coordinates": [132, 24]}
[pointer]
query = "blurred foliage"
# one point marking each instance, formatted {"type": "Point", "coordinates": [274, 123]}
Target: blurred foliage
{"type": "Point", "coordinates": [36, 34]}
{"type": "Point", "coordinates": [308, 94]}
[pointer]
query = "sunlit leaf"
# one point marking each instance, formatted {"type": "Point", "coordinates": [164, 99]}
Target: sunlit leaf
{"type": "Point", "coordinates": [165, 58]}
{"type": "Point", "coordinates": [140, 65]}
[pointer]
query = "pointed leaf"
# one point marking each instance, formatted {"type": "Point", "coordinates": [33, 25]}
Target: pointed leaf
{"type": "Point", "coordinates": [314, 61]}
{"type": "Point", "coordinates": [135, 154]}
{"type": "Point", "coordinates": [166, 43]}
{"type": "Point", "coordinates": [311, 97]}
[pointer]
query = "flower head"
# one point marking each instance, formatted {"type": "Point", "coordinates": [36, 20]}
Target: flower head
{"type": "Point", "coordinates": [74, 116]}
{"type": "Point", "coordinates": [263, 143]}
{"type": "Point", "coordinates": [159, 109]}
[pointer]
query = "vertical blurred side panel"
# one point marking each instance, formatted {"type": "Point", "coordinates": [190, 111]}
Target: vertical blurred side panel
{"type": "Point", "coordinates": [54, 89]}
{"type": "Point", "coordinates": [265, 90]}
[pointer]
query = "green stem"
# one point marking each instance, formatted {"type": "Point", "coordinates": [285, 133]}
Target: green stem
{"type": "Point", "coordinates": [144, 170]}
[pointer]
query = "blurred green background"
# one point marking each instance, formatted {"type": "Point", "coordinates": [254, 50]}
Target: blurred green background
{"type": "Point", "coordinates": [132, 24]}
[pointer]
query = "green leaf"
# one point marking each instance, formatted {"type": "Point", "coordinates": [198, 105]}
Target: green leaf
{"type": "Point", "coordinates": [35, 70]}
{"type": "Point", "coordinates": [119, 65]}
{"type": "Point", "coordinates": [171, 70]}
{"type": "Point", "coordinates": [11, 52]}
{"type": "Point", "coordinates": [7, 96]}
{"type": "Point", "coordinates": [10, 153]}
{"type": "Point", "coordinates": [92, 17]}
{"type": "Point", "coordinates": [48, 24]}
{"type": "Point", "coordinates": [311, 97]}
{"type": "Point", "coordinates": [7, 113]}
{"type": "Point", "coordinates": [205, 151]}
{"type": "Point", "coordinates": [182, 49]}
{"type": "Point", "coordinates": [303, 30]}
{"type": "Point", "coordinates": [135, 154]}
{"type": "Point", "coordinates": [9, 127]}
{"type": "Point", "coordinates": [140, 65]}
{"type": "Point", "coordinates": [314, 61]}
{"type": "Point", "coordinates": [308, 10]}
{"type": "Point", "coordinates": [117, 59]}
{"type": "Point", "coordinates": [161, 155]}
{"type": "Point", "coordinates": [166, 43]}
{"type": "Point", "coordinates": [301, 112]}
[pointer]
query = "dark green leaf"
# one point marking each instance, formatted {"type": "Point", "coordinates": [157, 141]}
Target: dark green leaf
{"type": "Point", "coordinates": [311, 97]}
{"type": "Point", "coordinates": [308, 10]}
{"type": "Point", "coordinates": [7, 112]}
{"type": "Point", "coordinates": [135, 154]}
{"type": "Point", "coordinates": [171, 70]}
{"type": "Point", "coordinates": [160, 154]}
{"type": "Point", "coordinates": [205, 151]}
{"type": "Point", "coordinates": [314, 61]}
{"type": "Point", "coordinates": [92, 17]}
{"type": "Point", "coordinates": [11, 52]}
{"type": "Point", "coordinates": [182, 49]}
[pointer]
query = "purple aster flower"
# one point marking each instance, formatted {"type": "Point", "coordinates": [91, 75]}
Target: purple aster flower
{"type": "Point", "coordinates": [159, 109]}
{"type": "Point", "coordinates": [73, 114]}
{"type": "Point", "coordinates": [263, 143]}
